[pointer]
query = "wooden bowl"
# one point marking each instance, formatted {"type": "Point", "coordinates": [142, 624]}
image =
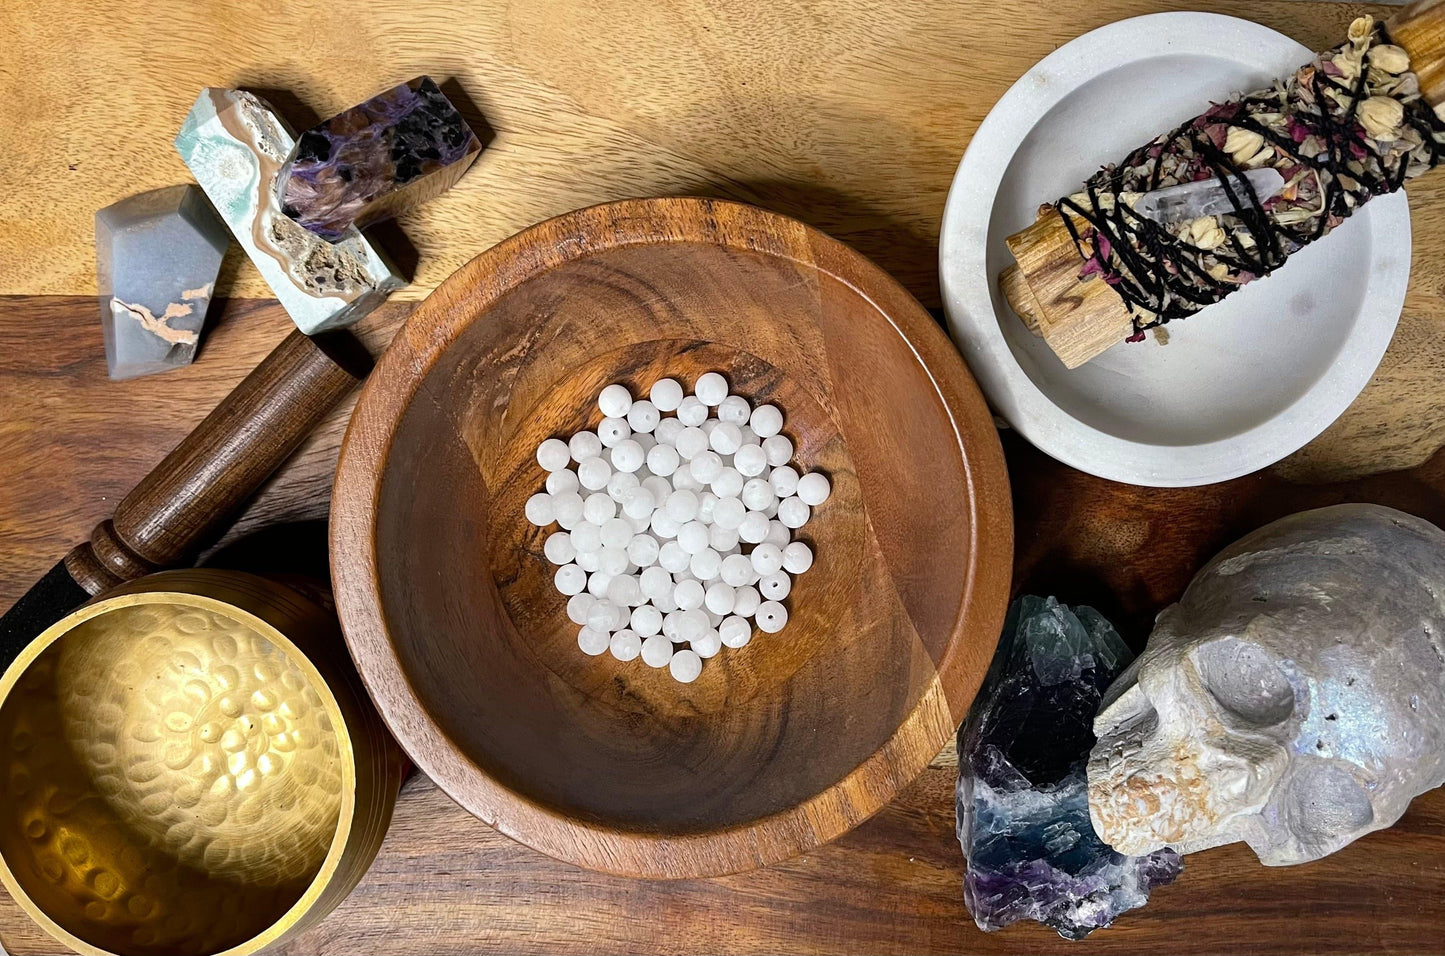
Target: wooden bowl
{"type": "Point", "coordinates": [449, 606]}
{"type": "Point", "coordinates": [191, 767]}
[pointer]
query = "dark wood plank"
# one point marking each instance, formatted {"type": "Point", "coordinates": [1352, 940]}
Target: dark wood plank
{"type": "Point", "coordinates": [71, 442]}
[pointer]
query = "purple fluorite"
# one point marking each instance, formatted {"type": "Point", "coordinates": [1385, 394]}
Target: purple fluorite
{"type": "Point", "coordinates": [1022, 798]}
{"type": "Point", "coordinates": [374, 161]}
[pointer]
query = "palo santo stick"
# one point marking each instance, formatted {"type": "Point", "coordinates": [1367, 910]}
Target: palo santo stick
{"type": "Point", "coordinates": [1080, 318]}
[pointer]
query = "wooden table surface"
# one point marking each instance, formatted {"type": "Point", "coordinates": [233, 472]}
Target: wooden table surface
{"type": "Point", "coordinates": [847, 113]}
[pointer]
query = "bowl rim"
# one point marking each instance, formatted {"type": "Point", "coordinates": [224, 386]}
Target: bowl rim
{"type": "Point", "coordinates": [431, 330]}
{"type": "Point", "coordinates": [345, 744]}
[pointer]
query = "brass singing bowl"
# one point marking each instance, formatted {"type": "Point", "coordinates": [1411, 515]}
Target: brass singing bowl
{"type": "Point", "coordinates": [190, 766]}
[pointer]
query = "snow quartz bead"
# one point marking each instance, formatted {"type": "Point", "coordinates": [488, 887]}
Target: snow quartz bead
{"type": "Point", "coordinates": [676, 517]}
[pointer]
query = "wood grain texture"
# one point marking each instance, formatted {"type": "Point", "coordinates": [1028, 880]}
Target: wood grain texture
{"type": "Point", "coordinates": [445, 883]}
{"type": "Point", "coordinates": [450, 608]}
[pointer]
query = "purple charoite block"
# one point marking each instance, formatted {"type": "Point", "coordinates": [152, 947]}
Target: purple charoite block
{"type": "Point", "coordinates": [375, 161]}
{"type": "Point", "coordinates": [1023, 790]}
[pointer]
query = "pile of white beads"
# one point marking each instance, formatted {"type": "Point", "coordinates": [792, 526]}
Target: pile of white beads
{"type": "Point", "coordinates": [676, 526]}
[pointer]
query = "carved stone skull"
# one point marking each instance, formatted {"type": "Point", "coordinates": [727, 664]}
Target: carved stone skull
{"type": "Point", "coordinates": [1293, 699]}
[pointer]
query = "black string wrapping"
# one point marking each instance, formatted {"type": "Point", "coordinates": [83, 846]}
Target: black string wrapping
{"type": "Point", "coordinates": [1160, 276]}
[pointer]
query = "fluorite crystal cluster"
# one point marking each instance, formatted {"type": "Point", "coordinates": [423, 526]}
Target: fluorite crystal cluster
{"type": "Point", "coordinates": [378, 159]}
{"type": "Point", "coordinates": [1022, 797]}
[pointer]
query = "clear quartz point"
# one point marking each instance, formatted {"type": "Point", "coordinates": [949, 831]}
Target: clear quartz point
{"type": "Point", "coordinates": [1206, 197]}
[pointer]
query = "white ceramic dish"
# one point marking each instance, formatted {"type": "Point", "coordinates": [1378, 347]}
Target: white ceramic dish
{"type": "Point", "coordinates": [1240, 385]}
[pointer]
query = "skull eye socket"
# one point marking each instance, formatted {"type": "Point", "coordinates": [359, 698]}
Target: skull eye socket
{"type": "Point", "coordinates": [1245, 680]}
{"type": "Point", "coordinates": [1323, 802]}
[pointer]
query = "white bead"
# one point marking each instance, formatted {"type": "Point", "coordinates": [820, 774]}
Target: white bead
{"type": "Point", "coordinates": [767, 558]}
{"type": "Point", "coordinates": [750, 461]}
{"type": "Point", "coordinates": [682, 480]}
{"type": "Point", "coordinates": [725, 438]}
{"type": "Point", "coordinates": [691, 442]}
{"type": "Point", "coordinates": [767, 421]}
{"type": "Point", "coordinates": [772, 512]}
{"type": "Point", "coordinates": [728, 484]}
{"type": "Point", "coordinates": [620, 484]}
{"type": "Point", "coordinates": [758, 494]}
{"type": "Point", "coordinates": [614, 560]}
{"type": "Point", "coordinates": [775, 586]}
{"type": "Point", "coordinates": [663, 460]}
{"type": "Point", "coordinates": [597, 508]}
{"type": "Point", "coordinates": [708, 425]}
{"type": "Point", "coordinates": [664, 602]}
{"type": "Point", "coordinates": [667, 431]}
{"type": "Point", "coordinates": [638, 503]}
{"type": "Point", "coordinates": [553, 454]}
{"type": "Point", "coordinates": [771, 617]}
{"type": "Point", "coordinates": [625, 645]}
{"type": "Point", "coordinates": [639, 525]}
{"type": "Point", "coordinates": [692, 537]}
{"type": "Point", "coordinates": [628, 456]}
{"type": "Point", "coordinates": [706, 502]}
{"type": "Point", "coordinates": [685, 666]}
{"type": "Point", "coordinates": [737, 570]}
{"type": "Point", "coordinates": [705, 565]}
{"type": "Point", "coordinates": [561, 482]}
{"type": "Point", "coordinates": [584, 445]}
{"type": "Point", "coordinates": [656, 651]}
{"type": "Point", "coordinates": [792, 512]}
{"type": "Point", "coordinates": [664, 525]}
{"type": "Point", "coordinates": [589, 560]}
{"type": "Point", "coordinates": [719, 598]}
{"type": "Point", "coordinates": [754, 527]}
{"type": "Point", "coordinates": [626, 591]}
{"type": "Point", "coordinates": [711, 388]}
{"type": "Point", "coordinates": [579, 606]}
{"type": "Point", "coordinates": [666, 393]}
{"type": "Point", "coordinates": [814, 489]}
{"type": "Point", "coordinates": [746, 600]}
{"type": "Point", "coordinates": [691, 412]}
{"type": "Point", "coordinates": [692, 623]}
{"type": "Point", "coordinates": [643, 550]}
{"type": "Point", "coordinates": [660, 488]}
{"type": "Point", "coordinates": [655, 583]}
{"type": "Point", "coordinates": [593, 473]}
{"type": "Point", "coordinates": [713, 620]}
{"type": "Point", "coordinates": [706, 466]}
{"type": "Point", "coordinates": [778, 534]}
{"type": "Point", "coordinates": [645, 440]}
{"type": "Point", "coordinates": [643, 416]}
{"type": "Point", "coordinates": [735, 632]}
{"type": "Point", "coordinates": [682, 505]}
{"type": "Point", "coordinates": [722, 540]}
{"type": "Point", "coordinates": [669, 625]}
{"type": "Point", "coordinates": [587, 537]}
{"type": "Point", "coordinates": [729, 513]}
{"type": "Point", "coordinates": [616, 533]}
{"type": "Point", "coordinates": [568, 508]}
{"type": "Point", "coordinates": [708, 644]}
{"type": "Point", "coordinates": [613, 431]}
{"type": "Point", "coordinates": [559, 548]}
{"type": "Point", "coordinates": [540, 510]}
{"type": "Point", "coordinates": [646, 620]}
{"type": "Point", "coordinates": [797, 558]}
{"type": "Point", "coordinates": [784, 481]}
{"type": "Point", "coordinates": [592, 641]}
{"type": "Point", "coordinates": [614, 401]}
{"type": "Point", "coordinates": [603, 614]}
{"type": "Point", "coordinates": [778, 449]}
{"type": "Point", "coordinates": [570, 579]}
{"type": "Point", "coordinates": [734, 409]}
{"type": "Point", "coordinates": [672, 558]}
{"type": "Point", "coordinates": [597, 584]}
{"type": "Point", "coordinates": [689, 595]}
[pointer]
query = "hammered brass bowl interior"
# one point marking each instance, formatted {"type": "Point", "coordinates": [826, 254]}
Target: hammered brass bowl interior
{"type": "Point", "coordinates": [179, 777]}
